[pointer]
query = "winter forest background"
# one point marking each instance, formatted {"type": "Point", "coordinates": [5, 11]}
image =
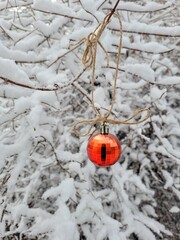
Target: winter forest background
{"type": "Point", "coordinates": [48, 187]}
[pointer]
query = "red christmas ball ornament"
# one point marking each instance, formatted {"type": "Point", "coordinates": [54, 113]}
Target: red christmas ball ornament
{"type": "Point", "coordinates": [104, 149]}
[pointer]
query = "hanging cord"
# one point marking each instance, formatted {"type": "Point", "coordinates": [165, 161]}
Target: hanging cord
{"type": "Point", "coordinates": [89, 59]}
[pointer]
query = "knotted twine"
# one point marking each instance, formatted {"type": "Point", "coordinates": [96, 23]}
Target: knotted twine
{"type": "Point", "coordinates": [89, 60]}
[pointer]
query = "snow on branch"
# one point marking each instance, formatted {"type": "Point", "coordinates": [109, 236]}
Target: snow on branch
{"type": "Point", "coordinates": [49, 188]}
{"type": "Point", "coordinates": [146, 29]}
{"type": "Point", "coordinates": [134, 7]}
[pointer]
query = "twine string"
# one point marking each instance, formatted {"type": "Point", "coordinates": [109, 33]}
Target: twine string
{"type": "Point", "coordinates": [89, 60]}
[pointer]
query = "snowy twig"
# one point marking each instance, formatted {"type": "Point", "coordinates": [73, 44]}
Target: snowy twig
{"type": "Point", "coordinates": [167, 146]}
{"type": "Point", "coordinates": [6, 33]}
{"type": "Point", "coordinates": [147, 80]}
{"type": "Point", "coordinates": [56, 86]}
{"type": "Point", "coordinates": [88, 11]}
{"type": "Point", "coordinates": [145, 51]}
{"type": "Point", "coordinates": [28, 87]}
{"type": "Point", "coordinates": [139, 11]}
{"type": "Point", "coordinates": [67, 52]}
{"type": "Point", "coordinates": [147, 33]}
{"type": "Point", "coordinates": [54, 152]}
{"type": "Point", "coordinates": [102, 5]}
{"type": "Point", "coordinates": [82, 90]}
{"type": "Point", "coordinates": [63, 15]}
{"type": "Point", "coordinates": [25, 36]}
{"type": "Point", "coordinates": [13, 118]}
{"type": "Point", "coordinates": [31, 62]}
{"type": "Point", "coordinates": [14, 5]}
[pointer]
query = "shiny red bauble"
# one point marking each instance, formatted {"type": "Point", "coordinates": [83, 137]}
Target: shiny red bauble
{"type": "Point", "coordinates": [104, 149]}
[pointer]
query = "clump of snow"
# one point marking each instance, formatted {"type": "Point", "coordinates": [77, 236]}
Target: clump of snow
{"type": "Point", "coordinates": [11, 71]}
{"type": "Point", "coordinates": [66, 190]}
{"type": "Point", "coordinates": [142, 70]}
{"type": "Point", "coordinates": [174, 209]}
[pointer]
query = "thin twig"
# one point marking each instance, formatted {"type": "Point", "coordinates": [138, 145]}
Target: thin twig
{"type": "Point", "coordinates": [64, 15]}
{"type": "Point", "coordinates": [146, 51]}
{"type": "Point", "coordinates": [139, 11]}
{"type": "Point", "coordinates": [27, 86]}
{"type": "Point", "coordinates": [113, 10]}
{"type": "Point", "coordinates": [101, 5]}
{"type": "Point", "coordinates": [89, 11]}
{"type": "Point", "coordinates": [23, 5]}
{"type": "Point", "coordinates": [56, 87]}
{"type": "Point", "coordinates": [153, 83]}
{"type": "Point", "coordinates": [31, 62]}
{"type": "Point", "coordinates": [146, 33]}
{"type": "Point", "coordinates": [54, 152]}
{"type": "Point", "coordinates": [72, 49]}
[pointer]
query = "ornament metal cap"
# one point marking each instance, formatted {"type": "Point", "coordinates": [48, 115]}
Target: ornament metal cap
{"type": "Point", "coordinates": [104, 129]}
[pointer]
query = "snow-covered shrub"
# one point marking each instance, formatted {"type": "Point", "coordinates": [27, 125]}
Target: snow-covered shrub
{"type": "Point", "coordinates": [48, 187]}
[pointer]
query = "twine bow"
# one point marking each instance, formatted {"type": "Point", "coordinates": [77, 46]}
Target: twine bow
{"type": "Point", "coordinates": [89, 59]}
